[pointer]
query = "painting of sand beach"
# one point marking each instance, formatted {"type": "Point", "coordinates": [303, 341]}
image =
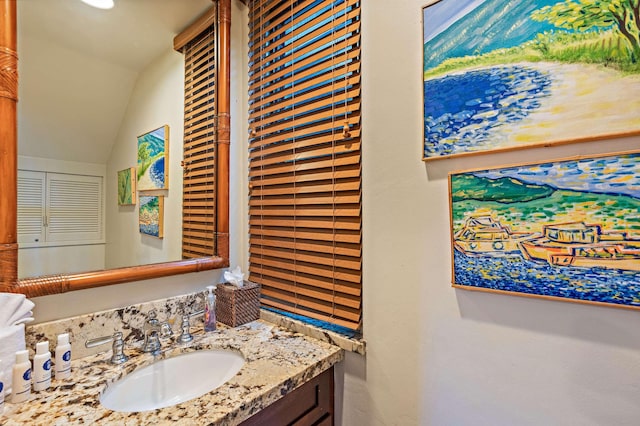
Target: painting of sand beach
{"type": "Point", "coordinates": [153, 161]}
{"type": "Point", "coordinates": [507, 74]}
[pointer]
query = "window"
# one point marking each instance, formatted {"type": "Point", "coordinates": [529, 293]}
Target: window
{"type": "Point", "coordinates": [304, 157]}
{"type": "Point", "coordinates": [199, 150]}
{"type": "Point", "coordinates": [58, 208]}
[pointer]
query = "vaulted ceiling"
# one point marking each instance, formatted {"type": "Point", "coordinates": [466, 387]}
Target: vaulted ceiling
{"type": "Point", "coordinates": [78, 66]}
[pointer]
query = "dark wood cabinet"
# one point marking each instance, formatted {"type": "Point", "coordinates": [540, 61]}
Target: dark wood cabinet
{"type": "Point", "coordinates": [310, 404]}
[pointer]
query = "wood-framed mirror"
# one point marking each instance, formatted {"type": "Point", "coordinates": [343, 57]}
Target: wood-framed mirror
{"type": "Point", "coordinates": [64, 282]}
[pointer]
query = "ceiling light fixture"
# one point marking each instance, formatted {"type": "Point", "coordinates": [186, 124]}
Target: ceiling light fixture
{"type": "Point", "coordinates": [100, 4]}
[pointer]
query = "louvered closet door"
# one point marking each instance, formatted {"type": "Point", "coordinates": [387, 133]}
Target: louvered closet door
{"type": "Point", "coordinates": [304, 157]}
{"type": "Point", "coordinates": [31, 206]}
{"type": "Point", "coordinates": [74, 208]}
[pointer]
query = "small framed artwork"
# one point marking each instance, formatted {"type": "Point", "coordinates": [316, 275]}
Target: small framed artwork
{"type": "Point", "coordinates": [567, 230]}
{"type": "Point", "coordinates": [501, 75]}
{"type": "Point", "coordinates": [153, 159]}
{"type": "Point", "coordinates": [151, 215]}
{"type": "Point", "coordinates": [127, 187]}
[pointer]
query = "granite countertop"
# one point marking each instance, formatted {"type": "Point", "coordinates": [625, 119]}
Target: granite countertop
{"type": "Point", "coordinates": [277, 361]}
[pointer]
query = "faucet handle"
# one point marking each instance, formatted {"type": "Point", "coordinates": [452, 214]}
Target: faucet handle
{"type": "Point", "coordinates": [152, 316]}
{"type": "Point", "coordinates": [185, 335]}
{"type": "Point", "coordinates": [165, 330]}
{"type": "Point", "coordinates": [118, 356]}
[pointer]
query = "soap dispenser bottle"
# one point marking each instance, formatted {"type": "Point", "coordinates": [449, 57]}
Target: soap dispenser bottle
{"type": "Point", "coordinates": [210, 310]}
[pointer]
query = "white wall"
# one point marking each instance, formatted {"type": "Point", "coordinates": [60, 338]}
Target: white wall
{"type": "Point", "coordinates": [66, 97]}
{"type": "Point", "coordinates": [439, 356]}
{"type": "Point", "coordinates": [435, 355]}
{"type": "Point", "coordinates": [156, 100]}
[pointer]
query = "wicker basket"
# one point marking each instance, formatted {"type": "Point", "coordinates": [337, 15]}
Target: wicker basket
{"type": "Point", "coordinates": [236, 306]}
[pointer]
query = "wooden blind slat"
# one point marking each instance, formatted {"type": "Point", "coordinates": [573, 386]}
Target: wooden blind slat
{"type": "Point", "coordinates": [300, 144]}
{"type": "Point", "coordinates": [314, 294]}
{"type": "Point", "coordinates": [340, 198]}
{"type": "Point", "coordinates": [344, 287]}
{"type": "Point", "coordinates": [307, 177]}
{"type": "Point", "coordinates": [291, 133]}
{"type": "Point", "coordinates": [339, 148]}
{"type": "Point", "coordinates": [302, 298]}
{"type": "Point", "coordinates": [308, 66]}
{"type": "Point", "coordinates": [307, 188]}
{"type": "Point", "coordinates": [207, 58]}
{"type": "Point", "coordinates": [315, 101]}
{"type": "Point", "coordinates": [275, 97]}
{"type": "Point", "coordinates": [324, 235]}
{"type": "Point", "coordinates": [334, 114]}
{"type": "Point", "coordinates": [326, 247]}
{"type": "Point", "coordinates": [199, 226]}
{"type": "Point", "coordinates": [304, 169]}
{"type": "Point", "coordinates": [276, 17]}
{"type": "Point", "coordinates": [198, 195]}
{"type": "Point", "coordinates": [343, 223]}
{"type": "Point", "coordinates": [321, 293]}
{"type": "Point", "coordinates": [293, 308]}
{"type": "Point", "coordinates": [204, 49]}
{"type": "Point", "coordinates": [302, 45]}
{"type": "Point", "coordinates": [301, 166]}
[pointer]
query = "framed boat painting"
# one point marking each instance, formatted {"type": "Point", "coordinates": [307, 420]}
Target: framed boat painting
{"type": "Point", "coordinates": [153, 159]}
{"type": "Point", "coordinates": [508, 74]}
{"type": "Point", "coordinates": [567, 229]}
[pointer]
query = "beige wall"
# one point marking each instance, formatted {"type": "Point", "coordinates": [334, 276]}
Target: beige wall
{"type": "Point", "coordinates": [70, 104]}
{"type": "Point", "coordinates": [439, 356]}
{"type": "Point", "coordinates": [156, 100]}
{"type": "Point", "coordinates": [435, 355]}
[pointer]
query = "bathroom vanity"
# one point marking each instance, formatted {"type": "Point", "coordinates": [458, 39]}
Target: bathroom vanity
{"type": "Point", "coordinates": [283, 372]}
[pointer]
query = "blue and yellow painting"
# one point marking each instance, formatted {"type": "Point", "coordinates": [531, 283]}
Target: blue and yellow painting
{"type": "Point", "coordinates": [504, 74]}
{"type": "Point", "coordinates": [151, 215]}
{"type": "Point", "coordinates": [568, 229]}
{"type": "Point", "coordinates": [153, 162]}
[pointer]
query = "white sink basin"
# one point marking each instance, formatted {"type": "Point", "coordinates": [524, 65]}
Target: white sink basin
{"type": "Point", "coordinates": [172, 380]}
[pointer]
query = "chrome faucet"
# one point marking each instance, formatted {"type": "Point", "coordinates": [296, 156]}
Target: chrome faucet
{"type": "Point", "coordinates": [153, 331]}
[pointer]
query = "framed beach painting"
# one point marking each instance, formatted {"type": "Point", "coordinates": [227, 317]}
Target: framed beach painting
{"type": "Point", "coordinates": [153, 159]}
{"type": "Point", "coordinates": [567, 229]}
{"type": "Point", "coordinates": [127, 187]}
{"type": "Point", "coordinates": [151, 215]}
{"type": "Point", "coordinates": [508, 74]}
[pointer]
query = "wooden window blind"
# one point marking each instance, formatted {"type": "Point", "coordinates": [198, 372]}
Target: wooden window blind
{"type": "Point", "coordinates": [199, 150]}
{"type": "Point", "coordinates": [304, 157]}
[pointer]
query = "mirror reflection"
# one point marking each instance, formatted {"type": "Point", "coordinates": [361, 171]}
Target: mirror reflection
{"type": "Point", "coordinates": [92, 82]}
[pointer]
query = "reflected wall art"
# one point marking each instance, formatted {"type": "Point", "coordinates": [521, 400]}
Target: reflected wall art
{"type": "Point", "coordinates": [153, 159]}
{"type": "Point", "coordinates": [127, 187]}
{"type": "Point", "coordinates": [151, 215]}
